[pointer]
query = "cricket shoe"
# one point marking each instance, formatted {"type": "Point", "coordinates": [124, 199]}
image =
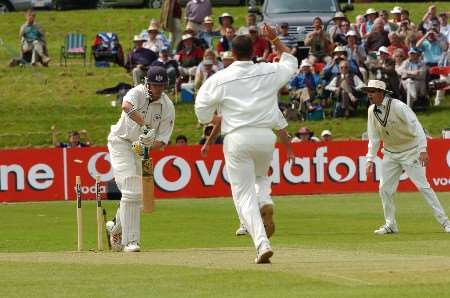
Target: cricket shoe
{"type": "Point", "coordinates": [447, 228]}
{"type": "Point", "coordinates": [267, 218]}
{"type": "Point", "coordinates": [264, 253]}
{"type": "Point", "coordinates": [114, 239]}
{"type": "Point", "coordinates": [385, 229]}
{"type": "Point", "coordinates": [132, 247]}
{"type": "Point", "coordinates": [241, 231]}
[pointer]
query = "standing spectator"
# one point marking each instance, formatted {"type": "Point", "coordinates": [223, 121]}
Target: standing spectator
{"type": "Point", "coordinates": [288, 39]}
{"type": "Point", "coordinates": [346, 88]}
{"type": "Point", "coordinates": [139, 60]}
{"type": "Point", "coordinates": [432, 47]}
{"type": "Point", "coordinates": [153, 42]}
{"type": "Point", "coordinates": [444, 25]}
{"type": "Point", "coordinates": [224, 44]}
{"type": "Point", "coordinates": [196, 11]}
{"type": "Point", "coordinates": [250, 20]}
{"type": "Point", "coordinates": [177, 28]}
{"type": "Point", "coordinates": [189, 57]}
{"type": "Point", "coordinates": [181, 140]}
{"type": "Point", "coordinates": [319, 42]}
{"type": "Point", "coordinates": [208, 33]}
{"type": "Point", "coordinates": [427, 20]}
{"type": "Point", "coordinates": [226, 20]}
{"type": "Point", "coordinates": [404, 149]}
{"type": "Point", "coordinates": [32, 39]}
{"type": "Point", "coordinates": [259, 44]}
{"type": "Point", "coordinates": [413, 77]}
{"type": "Point", "coordinates": [169, 64]}
{"type": "Point", "coordinates": [366, 27]}
{"type": "Point", "coordinates": [326, 136]}
{"type": "Point", "coordinates": [377, 37]}
{"type": "Point", "coordinates": [74, 139]}
{"type": "Point", "coordinates": [227, 58]}
{"type": "Point", "coordinates": [396, 13]}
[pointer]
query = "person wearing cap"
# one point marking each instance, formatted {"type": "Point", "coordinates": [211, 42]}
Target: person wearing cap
{"type": "Point", "coordinates": [396, 13]}
{"type": "Point", "coordinates": [227, 58]}
{"type": "Point", "coordinates": [224, 43]}
{"type": "Point", "coordinates": [189, 57]}
{"type": "Point", "coordinates": [196, 11]}
{"type": "Point", "coordinates": [356, 52]}
{"type": "Point", "coordinates": [320, 43]}
{"type": "Point", "coordinates": [139, 59]}
{"type": "Point", "coordinates": [339, 36]}
{"type": "Point", "coordinates": [260, 45]}
{"type": "Point", "coordinates": [383, 68]}
{"type": "Point", "coordinates": [332, 69]}
{"type": "Point", "coordinates": [433, 46]}
{"type": "Point", "coordinates": [388, 25]}
{"type": "Point", "coordinates": [288, 39]}
{"type": "Point", "coordinates": [166, 61]}
{"type": "Point", "coordinates": [370, 16]}
{"type": "Point", "coordinates": [304, 134]}
{"type": "Point", "coordinates": [303, 88]}
{"type": "Point", "coordinates": [250, 20]}
{"type": "Point", "coordinates": [346, 89]}
{"type": "Point", "coordinates": [404, 149]}
{"type": "Point", "coordinates": [377, 37]}
{"type": "Point", "coordinates": [413, 74]}
{"type": "Point", "coordinates": [147, 120]}
{"type": "Point", "coordinates": [226, 20]}
{"type": "Point", "coordinates": [335, 31]}
{"type": "Point", "coordinates": [155, 24]}
{"type": "Point", "coordinates": [246, 94]}
{"type": "Point", "coordinates": [208, 33]}
{"type": "Point", "coordinates": [153, 42]}
{"type": "Point", "coordinates": [326, 135]}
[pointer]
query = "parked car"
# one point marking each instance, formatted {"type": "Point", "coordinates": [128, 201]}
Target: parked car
{"type": "Point", "coordinates": [67, 4]}
{"type": "Point", "coordinates": [298, 14]}
{"type": "Point", "coordinates": [157, 3]}
{"type": "Point", "coordinates": [11, 5]}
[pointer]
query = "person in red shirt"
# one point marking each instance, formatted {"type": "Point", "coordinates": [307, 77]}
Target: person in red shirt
{"type": "Point", "coordinates": [260, 45]}
{"type": "Point", "coordinates": [396, 43]}
{"type": "Point", "coordinates": [224, 44]}
{"type": "Point", "coordinates": [189, 57]}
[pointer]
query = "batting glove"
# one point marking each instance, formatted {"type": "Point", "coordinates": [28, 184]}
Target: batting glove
{"type": "Point", "coordinates": [148, 138]}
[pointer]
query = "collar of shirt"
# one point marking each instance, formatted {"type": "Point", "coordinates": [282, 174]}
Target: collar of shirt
{"type": "Point", "coordinates": [242, 63]}
{"type": "Point", "coordinates": [197, 1]}
{"type": "Point", "coordinates": [383, 104]}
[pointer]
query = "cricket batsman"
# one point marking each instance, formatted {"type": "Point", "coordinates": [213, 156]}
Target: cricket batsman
{"type": "Point", "coordinates": [404, 148]}
{"type": "Point", "coordinates": [147, 120]}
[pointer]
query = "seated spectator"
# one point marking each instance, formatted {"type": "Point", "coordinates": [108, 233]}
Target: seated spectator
{"type": "Point", "coordinates": [207, 132]}
{"type": "Point", "coordinates": [359, 21]}
{"type": "Point", "coordinates": [204, 71]}
{"type": "Point", "coordinates": [155, 24]}
{"type": "Point", "coordinates": [319, 42]}
{"type": "Point", "coordinates": [199, 43]}
{"type": "Point", "coordinates": [171, 65]}
{"type": "Point", "coordinates": [444, 79]}
{"type": "Point", "coordinates": [326, 136]}
{"type": "Point", "coordinates": [289, 40]}
{"type": "Point", "coordinates": [444, 25]}
{"type": "Point", "coordinates": [189, 57]}
{"type": "Point", "coordinates": [346, 89]}
{"type": "Point", "coordinates": [377, 37]}
{"type": "Point", "coordinates": [396, 43]}
{"type": "Point", "coordinates": [196, 11]}
{"type": "Point", "coordinates": [304, 135]}
{"type": "Point", "coordinates": [211, 55]}
{"type": "Point", "coordinates": [427, 20]}
{"type": "Point", "coordinates": [260, 45]}
{"type": "Point", "coordinates": [250, 20]}
{"type": "Point", "coordinates": [337, 34]}
{"type": "Point", "coordinates": [332, 70]}
{"type": "Point", "coordinates": [226, 21]}
{"type": "Point", "coordinates": [356, 52]}
{"type": "Point", "coordinates": [107, 48]}
{"type": "Point", "coordinates": [398, 57]}
{"type": "Point", "coordinates": [32, 40]}
{"type": "Point", "coordinates": [388, 25]}
{"type": "Point", "coordinates": [383, 68]}
{"type": "Point", "coordinates": [227, 58]}
{"type": "Point", "coordinates": [303, 88]}
{"type": "Point", "coordinates": [208, 33]}
{"type": "Point", "coordinates": [74, 139]}
{"type": "Point", "coordinates": [153, 43]}
{"type": "Point", "coordinates": [408, 33]}
{"type": "Point", "coordinates": [369, 21]}
{"type": "Point", "coordinates": [396, 13]}
{"type": "Point", "coordinates": [432, 47]}
{"type": "Point", "coordinates": [413, 77]}
{"type": "Point", "coordinates": [224, 44]}
{"type": "Point", "coordinates": [139, 59]}
{"type": "Point", "coordinates": [181, 140]}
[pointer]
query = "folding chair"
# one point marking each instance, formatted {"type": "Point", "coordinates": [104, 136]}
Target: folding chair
{"type": "Point", "coordinates": [74, 47]}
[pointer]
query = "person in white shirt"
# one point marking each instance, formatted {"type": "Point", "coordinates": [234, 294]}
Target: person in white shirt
{"type": "Point", "coordinates": [246, 95]}
{"type": "Point", "coordinates": [147, 121]}
{"type": "Point", "coordinates": [404, 148]}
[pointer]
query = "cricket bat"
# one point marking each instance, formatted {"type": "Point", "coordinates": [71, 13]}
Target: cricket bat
{"type": "Point", "coordinates": [79, 214]}
{"type": "Point", "coordinates": [147, 183]}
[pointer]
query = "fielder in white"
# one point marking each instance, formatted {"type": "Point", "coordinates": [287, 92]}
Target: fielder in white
{"type": "Point", "coordinates": [404, 148]}
{"type": "Point", "coordinates": [147, 119]}
{"type": "Point", "coordinates": [246, 96]}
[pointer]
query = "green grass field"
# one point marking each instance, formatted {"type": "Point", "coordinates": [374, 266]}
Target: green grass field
{"type": "Point", "coordinates": [34, 99]}
{"type": "Point", "coordinates": [324, 246]}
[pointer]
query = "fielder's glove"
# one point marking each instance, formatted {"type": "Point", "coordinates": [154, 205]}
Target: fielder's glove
{"type": "Point", "coordinates": [147, 138]}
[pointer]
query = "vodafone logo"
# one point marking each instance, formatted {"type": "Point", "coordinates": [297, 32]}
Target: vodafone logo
{"type": "Point", "coordinates": [93, 169]}
{"type": "Point", "coordinates": [448, 158]}
{"type": "Point", "coordinates": [183, 168]}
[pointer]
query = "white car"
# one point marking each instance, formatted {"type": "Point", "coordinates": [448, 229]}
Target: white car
{"type": "Point", "coordinates": [42, 3]}
{"type": "Point", "coordinates": [11, 5]}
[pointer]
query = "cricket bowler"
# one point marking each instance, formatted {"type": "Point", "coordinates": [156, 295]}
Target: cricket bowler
{"type": "Point", "coordinates": [147, 120]}
{"type": "Point", "coordinates": [404, 148]}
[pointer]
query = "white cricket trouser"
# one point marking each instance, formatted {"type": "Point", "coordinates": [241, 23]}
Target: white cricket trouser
{"type": "Point", "coordinates": [391, 170]}
{"type": "Point", "coordinates": [248, 152]}
{"type": "Point", "coordinates": [37, 48]}
{"type": "Point", "coordinates": [127, 173]}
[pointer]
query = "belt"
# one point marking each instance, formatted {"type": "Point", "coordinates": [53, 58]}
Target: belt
{"type": "Point", "coordinates": [400, 151]}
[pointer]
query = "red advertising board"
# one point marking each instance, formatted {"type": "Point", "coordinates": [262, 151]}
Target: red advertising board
{"type": "Point", "coordinates": [334, 167]}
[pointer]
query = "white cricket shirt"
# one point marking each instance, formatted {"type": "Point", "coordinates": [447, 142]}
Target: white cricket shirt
{"type": "Point", "coordinates": [246, 94]}
{"type": "Point", "coordinates": [397, 126]}
{"type": "Point", "coordinates": [159, 115]}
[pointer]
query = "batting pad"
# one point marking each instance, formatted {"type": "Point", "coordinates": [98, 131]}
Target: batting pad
{"type": "Point", "coordinates": [130, 217]}
{"type": "Point", "coordinates": [132, 188]}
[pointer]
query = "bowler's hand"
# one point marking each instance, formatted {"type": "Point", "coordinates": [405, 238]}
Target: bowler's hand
{"type": "Point", "coordinates": [268, 32]}
{"type": "Point", "coordinates": [204, 150]}
{"type": "Point", "coordinates": [424, 159]}
{"type": "Point", "coordinates": [369, 168]}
